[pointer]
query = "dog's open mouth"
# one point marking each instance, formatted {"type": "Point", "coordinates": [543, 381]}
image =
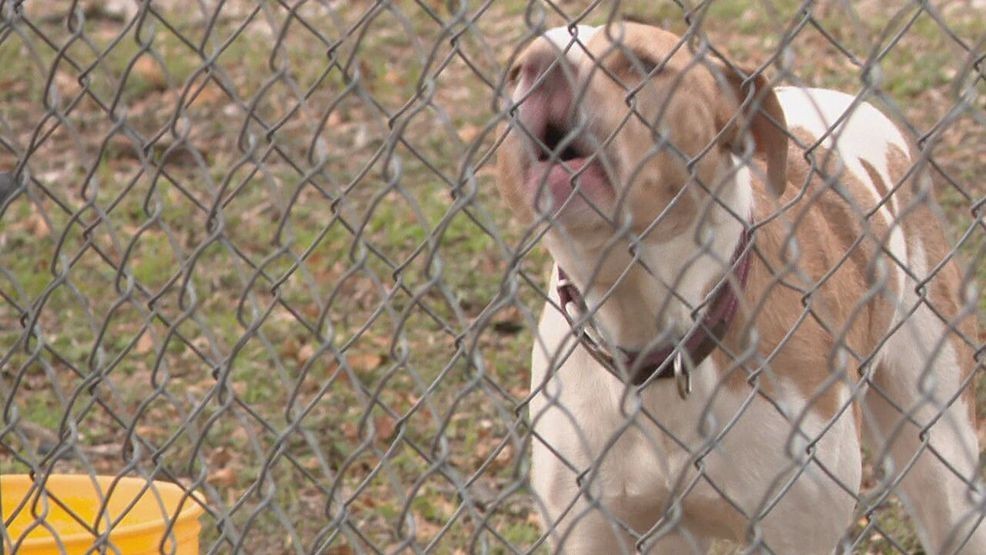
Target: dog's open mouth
{"type": "Point", "coordinates": [566, 174]}
{"type": "Point", "coordinates": [553, 137]}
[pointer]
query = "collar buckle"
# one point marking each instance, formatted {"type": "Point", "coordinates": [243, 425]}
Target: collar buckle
{"type": "Point", "coordinates": [682, 376]}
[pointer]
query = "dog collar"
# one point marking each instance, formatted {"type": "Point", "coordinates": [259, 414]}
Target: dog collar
{"type": "Point", "coordinates": [674, 360]}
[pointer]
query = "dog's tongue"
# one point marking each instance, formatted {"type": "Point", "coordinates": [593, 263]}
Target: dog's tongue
{"type": "Point", "coordinates": [554, 180]}
{"type": "Point", "coordinates": [569, 167]}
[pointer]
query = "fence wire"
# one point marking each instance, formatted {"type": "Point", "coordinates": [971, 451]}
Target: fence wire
{"type": "Point", "coordinates": [257, 250]}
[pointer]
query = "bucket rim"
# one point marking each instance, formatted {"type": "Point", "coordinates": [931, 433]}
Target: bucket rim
{"type": "Point", "coordinates": [191, 501]}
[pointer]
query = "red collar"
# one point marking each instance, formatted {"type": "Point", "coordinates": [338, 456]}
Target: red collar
{"type": "Point", "coordinates": [646, 365]}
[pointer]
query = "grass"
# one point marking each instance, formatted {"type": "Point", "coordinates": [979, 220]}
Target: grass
{"type": "Point", "coordinates": [255, 285]}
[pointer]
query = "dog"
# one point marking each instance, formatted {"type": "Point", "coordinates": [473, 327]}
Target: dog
{"type": "Point", "coordinates": [750, 285]}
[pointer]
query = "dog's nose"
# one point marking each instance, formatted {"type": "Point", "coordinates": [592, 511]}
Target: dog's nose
{"type": "Point", "coordinates": [543, 82]}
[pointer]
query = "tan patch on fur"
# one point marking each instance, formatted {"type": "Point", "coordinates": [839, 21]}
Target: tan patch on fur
{"type": "Point", "coordinates": [679, 99]}
{"type": "Point", "coordinates": [878, 183]}
{"type": "Point", "coordinates": [832, 271]}
{"type": "Point", "coordinates": [922, 225]}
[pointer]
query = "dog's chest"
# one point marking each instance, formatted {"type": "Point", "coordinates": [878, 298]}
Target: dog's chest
{"type": "Point", "coordinates": [637, 441]}
{"type": "Point", "coordinates": [641, 453]}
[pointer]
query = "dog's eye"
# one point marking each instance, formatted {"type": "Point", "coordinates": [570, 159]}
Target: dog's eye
{"type": "Point", "coordinates": [638, 65]}
{"type": "Point", "coordinates": [513, 74]}
{"type": "Point", "coordinates": [647, 66]}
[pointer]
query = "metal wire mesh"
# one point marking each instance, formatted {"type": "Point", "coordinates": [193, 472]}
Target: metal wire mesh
{"type": "Point", "coordinates": [256, 249]}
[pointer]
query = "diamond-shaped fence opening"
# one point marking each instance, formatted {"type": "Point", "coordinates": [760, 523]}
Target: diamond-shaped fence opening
{"type": "Point", "coordinates": [257, 250]}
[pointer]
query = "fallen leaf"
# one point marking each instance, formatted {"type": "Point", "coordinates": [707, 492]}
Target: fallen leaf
{"type": "Point", "coordinates": [364, 362]}
{"type": "Point", "coordinates": [239, 436]}
{"type": "Point", "coordinates": [210, 95]}
{"type": "Point", "coordinates": [289, 348]}
{"type": "Point", "coordinates": [145, 344]}
{"type": "Point", "coordinates": [305, 353]}
{"type": "Point", "coordinates": [239, 388]}
{"type": "Point", "coordinates": [469, 132]}
{"type": "Point", "coordinates": [37, 225]}
{"type": "Point", "coordinates": [67, 85]}
{"type": "Point", "coordinates": [424, 530]}
{"type": "Point", "coordinates": [349, 431]}
{"type": "Point", "coordinates": [222, 477]}
{"type": "Point", "coordinates": [533, 519]}
{"type": "Point", "coordinates": [220, 457]}
{"type": "Point", "coordinates": [150, 71]}
{"type": "Point", "coordinates": [384, 425]}
{"type": "Point", "coordinates": [393, 77]}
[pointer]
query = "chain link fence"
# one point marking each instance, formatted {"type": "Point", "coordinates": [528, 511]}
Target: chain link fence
{"type": "Point", "coordinates": [256, 249]}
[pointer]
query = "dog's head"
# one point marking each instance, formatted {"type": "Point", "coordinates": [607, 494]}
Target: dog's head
{"type": "Point", "coordinates": [643, 129]}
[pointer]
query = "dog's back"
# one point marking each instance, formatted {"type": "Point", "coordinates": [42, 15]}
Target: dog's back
{"type": "Point", "coordinates": [877, 278]}
{"type": "Point", "coordinates": [919, 409]}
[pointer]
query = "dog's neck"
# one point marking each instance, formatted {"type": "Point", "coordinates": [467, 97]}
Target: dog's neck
{"type": "Point", "coordinates": [659, 297]}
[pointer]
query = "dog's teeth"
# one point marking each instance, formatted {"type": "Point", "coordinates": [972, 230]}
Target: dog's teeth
{"type": "Point", "coordinates": [571, 310]}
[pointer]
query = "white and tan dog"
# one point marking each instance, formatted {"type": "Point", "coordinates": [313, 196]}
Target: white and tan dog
{"type": "Point", "coordinates": [839, 315]}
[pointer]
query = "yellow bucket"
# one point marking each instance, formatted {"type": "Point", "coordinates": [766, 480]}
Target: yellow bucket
{"type": "Point", "coordinates": [138, 530]}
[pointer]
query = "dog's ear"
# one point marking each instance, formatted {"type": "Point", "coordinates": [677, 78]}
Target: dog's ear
{"type": "Point", "coordinates": [750, 105]}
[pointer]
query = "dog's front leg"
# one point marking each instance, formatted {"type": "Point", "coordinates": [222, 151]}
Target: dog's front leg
{"type": "Point", "coordinates": [584, 525]}
{"type": "Point", "coordinates": [574, 521]}
{"type": "Point", "coordinates": [581, 497]}
{"type": "Point", "coordinates": [675, 542]}
{"type": "Point", "coordinates": [577, 515]}
{"type": "Point", "coordinates": [590, 531]}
